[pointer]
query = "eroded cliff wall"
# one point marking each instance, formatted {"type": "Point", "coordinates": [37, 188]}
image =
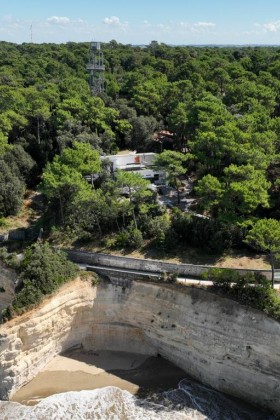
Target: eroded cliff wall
{"type": "Point", "coordinates": [217, 341]}
{"type": "Point", "coordinates": [30, 341]}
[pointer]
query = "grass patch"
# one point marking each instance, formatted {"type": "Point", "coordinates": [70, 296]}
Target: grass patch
{"type": "Point", "coordinates": [4, 224]}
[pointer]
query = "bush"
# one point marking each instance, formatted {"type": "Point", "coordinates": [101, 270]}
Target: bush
{"type": "Point", "coordinates": [131, 238]}
{"type": "Point", "coordinates": [9, 259]}
{"type": "Point", "coordinates": [46, 268]}
{"type": "Point", "coordinates": [182, 225]}
{"type": "Point", "coordinates": [91, 276]}
{"type": "Point", "coordinates": [154, 227]}
{"type": "Point", "coordinates": [222, 278]}
{"type": "Point", "coordinates": [213, 234]}
{"type": "Point", "coordinates": [252, 289]}
{"type": "Point", "coordinates": [3, 222]}
{"type": "Point", "coordinates": [3, 254]}
{"type": "Point", "coordinates": [27, 297]}
{"type": "Point", "coordinates": [11, 191]}
{"type": "Point", "coordinates": [171, 240]}
{"type": "Point", "coordinates": [42, 271]}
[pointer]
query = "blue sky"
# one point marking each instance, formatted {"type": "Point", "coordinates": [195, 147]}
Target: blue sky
{"type": "Point", "coordinates": [141, 21]}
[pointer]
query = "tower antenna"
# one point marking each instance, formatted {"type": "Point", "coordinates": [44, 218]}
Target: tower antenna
{"type": "Point", "coordinates": [96, 68]}
{"type": "Point", "coordinates": [31, 33]}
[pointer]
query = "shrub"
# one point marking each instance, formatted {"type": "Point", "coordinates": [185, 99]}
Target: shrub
{"type": "Point", "coordinates": [42, 270]}
{"type": "Point", "coordinates": [3, 254]}
{"type": "Point", "coordinates": [160, 240]}
{"type": "Point", "coordinates": [223, 278]}
{"type": "Point", "coordinates": [27, 297]}
{"type": "Point", "coordinates": [168, 277]}
{"type": "Point", "coordinates": [252, 289]}
{"type": "Point", "coordinates": [9, 259]}
{"type": "Point", "coordinates": [3, 222]}
{"type": "Point", "coordinates": [155, 228]}
{"type": "Point", "coordinates": [131, 238]}
{"type": "Point", "coordinates": [171, 240]}
{"type": "Point", "coordinates": [136, 238]}
{"type": "Point", "coordinates": [91, 276]}
{"type": "Point", "coordinates": [46, 268]}
{"type": "Point", "coordinates": [213, 234]}
{"type": "Point", "coordinates": [11, 191]}
{"type": "Point", "coordinates": [182, 225]}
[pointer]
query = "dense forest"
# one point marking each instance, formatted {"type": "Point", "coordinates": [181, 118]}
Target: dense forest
{"type": "Point", "coordinates": [222, 104]}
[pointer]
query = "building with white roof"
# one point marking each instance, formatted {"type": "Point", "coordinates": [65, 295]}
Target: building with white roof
{"type": "Point", "coordinates": [141, 163]}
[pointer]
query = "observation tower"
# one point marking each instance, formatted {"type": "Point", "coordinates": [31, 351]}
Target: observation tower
{"type": "Point", "coordinates": [96, 68]}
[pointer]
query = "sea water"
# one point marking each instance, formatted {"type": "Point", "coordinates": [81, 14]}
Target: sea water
{"type": "Point", "coordinates": [189, 401]}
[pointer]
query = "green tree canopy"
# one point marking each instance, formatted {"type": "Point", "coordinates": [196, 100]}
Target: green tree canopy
{"type": "Point", "coordinates": [137, 188]}
{"type": "Point", "coordinates": [63, 183]}
{"type": "Point", "coordinates": [82, 158]}
{"type": "Point", "coordinates": [11, 191]}
{"type": "Point", "coordinates": [173, 163]}
{"type": "Point", "coordinates": [265, 236]}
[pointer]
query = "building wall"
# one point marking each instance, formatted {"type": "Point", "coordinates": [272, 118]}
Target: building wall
{"type": "Point", "coordinates": [147, 159]}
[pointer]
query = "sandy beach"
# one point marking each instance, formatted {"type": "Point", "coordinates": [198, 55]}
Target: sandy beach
{"type": "Point", "coordinates": [78, 370]}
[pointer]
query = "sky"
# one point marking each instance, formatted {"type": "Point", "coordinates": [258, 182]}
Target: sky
{"type": "Point", "coordinates": [141, 21]}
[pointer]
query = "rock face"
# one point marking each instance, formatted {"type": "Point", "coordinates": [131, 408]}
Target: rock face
{"type": "Point", "coordinates": [7, 282]}
{"type": "Point", "coordinates": [32, 340]}
{"type": "Point", "coordinates": [217, 341]}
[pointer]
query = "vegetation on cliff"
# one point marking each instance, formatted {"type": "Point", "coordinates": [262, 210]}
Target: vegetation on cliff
{"type": "Point", "coordinates": [41, 271]}
{"type": "Point", "coordinates": [249, 289]}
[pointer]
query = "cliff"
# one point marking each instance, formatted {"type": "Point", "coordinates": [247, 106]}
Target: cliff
{"type": "Point", "coordinates": [29, 342]}
{"type": "Point", "coordinates": [217, 341]}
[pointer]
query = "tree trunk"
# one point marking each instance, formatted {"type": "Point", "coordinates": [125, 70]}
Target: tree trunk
{"type": "Point", "coordinates": [99, 227]}
{"type": "Point", "coordinates": [271, 256]}
{"type": "Point", "coordinates": [38, 130]}
{"type": "Point", "coordinates": [178, 192]}
{"type": "Point", "coordinates": [61, 210]}
{"type": "Point", "coordinates": [134, 218]}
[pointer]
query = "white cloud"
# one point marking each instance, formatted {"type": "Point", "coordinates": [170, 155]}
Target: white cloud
{"type": "Point", "coordinates": [146, 25]}
{"type": "Point", "coordinates": [204, 24]}
{"type": "Point", "coordinates": [185, 24]}
{"type": "Point", "coordinates": [163, 27]}
{"type": "Point", "coordinates": [59, 20]}
{"type": "Point", "coordinates": [115, 22]}
{"type": "Point", "coordinates": [197, 27]}
{"type": "Point", "coordinates": [63, 29]}
{"type": "Point", "coordinates": [270, 26]}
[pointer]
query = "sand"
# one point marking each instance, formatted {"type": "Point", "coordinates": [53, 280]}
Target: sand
{"type": "Point", "coordinates": [78, 370]}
